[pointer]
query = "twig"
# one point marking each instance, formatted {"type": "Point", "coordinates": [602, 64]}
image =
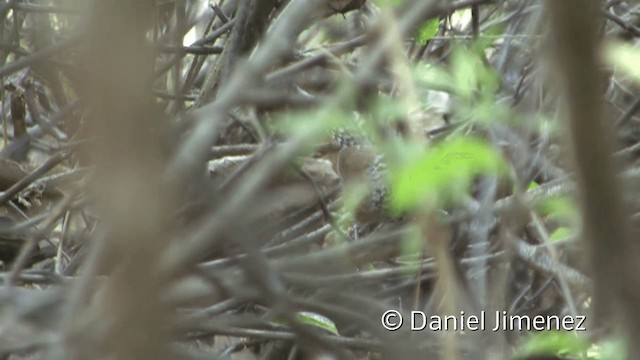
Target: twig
{"type": "Point", "coordinates": [34, 58]}
{"type": "Point", "coordinates": [33, 176]}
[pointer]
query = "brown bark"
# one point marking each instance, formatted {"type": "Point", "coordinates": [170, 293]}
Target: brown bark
{"type": "Point", "coordinates": [604, 226]}
{"type": "Point", "coordinates": [131, 200]}
{"type": "Point", "coordinates": [251, 22]}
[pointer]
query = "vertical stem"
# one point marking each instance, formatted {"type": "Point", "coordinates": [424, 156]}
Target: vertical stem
{"type": "Point", "coordinates": [575, 27]}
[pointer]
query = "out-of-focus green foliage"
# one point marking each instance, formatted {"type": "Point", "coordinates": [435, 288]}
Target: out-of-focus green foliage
{"type": "Point", "coordinates": [612, 349]}
{"type": "Point", "coordinates": [624, 57]}
{"type": "Point", "coordinates": [428, 30]}
{"type": "Point", "coordinates": [312, 127]}
{"type": "Point", "coordinates": [425, 32]}
{"type": "Point", "coordinates": [444, 173]}
{"type": "Point", "coordinates": [432, 77]}
{"type": "Point", "coordinates": [554, 343]}
{"type": "Point", "coordinates": [471, 78]}
{"type": "Point", "coordinates": [570, 345]}
{"type": "Point", "coordinates": [560, 233]}
{"type": "Point", "coordinates": [413, 244]}
{"type": "Point", "coordinates": [561, 208]}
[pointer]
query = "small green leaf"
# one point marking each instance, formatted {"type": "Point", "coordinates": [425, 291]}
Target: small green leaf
{"type": "Point", "coordinates": [532, 185]}
{"type": "Point", "coordinates": [428, 30]}
{"type": "Point", "coordinates": [561, 208]}
{"type": "Point", "coordinates": [318, 321]}
{"type": "Point", "coordinates": [560, 234]}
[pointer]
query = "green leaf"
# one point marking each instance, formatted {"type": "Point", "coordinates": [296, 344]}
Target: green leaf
{"type": "Point", "coordinates": [385, 109]}
{"type": "Point", "coordinates": [442, 173]}
{"type": "Point", "coordinates": [318, 321]}
{"type": "Point", "coordinates": [553, 343]}
{"type": "Point", "coordinates": [561, 208]}
{"type": "Point", "coordinates": [486, 110]}
{"type": "Point", "coordinates": [432, 77]}
{"type": "Point", "coordinates": [471, 76]}
{"type": "Point", "coordinates": [612, 349]}
{"type": "Point", "coordinates": [428, 30]}
{"type": "Point", "coordinates": [560, 234]}
{"type": "Point", "coordinates": [312, 127]}
{"type": "Point", "coordinates": [465, 75]}
{"type": "Point", "coordinates": [412, 245]}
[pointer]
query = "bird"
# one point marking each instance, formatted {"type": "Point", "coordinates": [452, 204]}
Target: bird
{"type": "Point", "coordinates": [358, 162]}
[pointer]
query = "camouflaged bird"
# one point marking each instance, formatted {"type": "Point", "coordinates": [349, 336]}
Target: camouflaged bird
{"type": "Point", "coordinates": [358, 162]}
